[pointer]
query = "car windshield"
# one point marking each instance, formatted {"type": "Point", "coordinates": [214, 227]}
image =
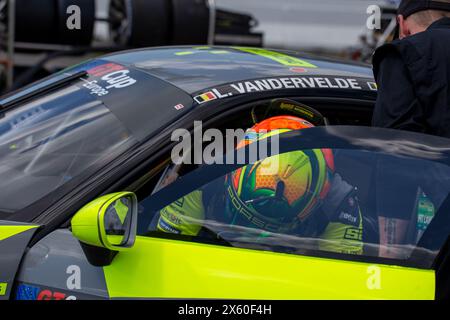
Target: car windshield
{"type": "Point", "coordinates": [48, 141]}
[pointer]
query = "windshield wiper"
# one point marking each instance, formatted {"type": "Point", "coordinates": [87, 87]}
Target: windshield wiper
{"type": "Point", "coordinates": [39, 88]}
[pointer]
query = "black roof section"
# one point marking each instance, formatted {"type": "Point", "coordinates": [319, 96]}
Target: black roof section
{"type": "Point", "coordinates": [168, 82]}
{"type": "Point", "coordinates": [194, 69]}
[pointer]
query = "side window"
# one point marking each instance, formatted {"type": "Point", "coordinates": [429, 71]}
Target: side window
{"type": "Point", "coordinates": [307, 201]}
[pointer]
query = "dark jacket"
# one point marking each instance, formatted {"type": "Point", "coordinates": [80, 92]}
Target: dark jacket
{"type": "Point", "coordinates": [413, 76]}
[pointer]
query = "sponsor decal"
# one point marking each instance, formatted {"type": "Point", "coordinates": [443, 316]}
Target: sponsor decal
{"type": "Point", "coordinates": [184, 53]}
{"type": "Point", "coordinates": [201, 50]}
{"type": "Point", "coordinates": [297, 109]}
{"type": "Point", "coordinates": [349, 213]}
{"type": "Point", "coordinates": [173, 218]}
{"type": "Point", "coordinates": [283, 83]}
{"type": "Point", "coordinates": [281, 58]}
{"type": "Point", "coordinates": [104, 69]}
{"type": "Point", "coordinates": [164, 226]}
{"type": "Point", "coordinates": [373, 86]}
{"type": "Point", "coordinates": [353, 234]}
{"type": "Point", "coordinates": [26, 292]}
{"type": "Point", "coordinates": [239, 206]}
{"type": "Point", "coordinates": [94, 88]}
{"type": "Point", "coordinates": [347, 217]}
{"type": "Point", "coordinates": [51, 295]}
{"type": "Point", "coordinates": [298, 69]}
{"type": "Point", "coordinates": [219, 51]}
{"type": "Point", "coordinates": [106, 77]}
{"type": "Point", "coordinates": [3, 286]}
{"type": "Point", "coordinates": [205, 97]}
{"type": "Point", "coordinates": [30, 292]}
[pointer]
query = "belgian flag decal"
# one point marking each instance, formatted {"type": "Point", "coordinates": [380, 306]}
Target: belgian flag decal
{"type": "Point", "coordinates": [205, 97]}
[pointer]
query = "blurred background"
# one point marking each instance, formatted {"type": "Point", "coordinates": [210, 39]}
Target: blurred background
{"type": "Point", "coordinates": [35, 40]}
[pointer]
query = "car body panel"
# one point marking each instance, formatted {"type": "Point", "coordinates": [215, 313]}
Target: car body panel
{"type": "Point", "coordinates": [162, 268]}
{"type": "Point", "coordinates": [56, 269]}
{"type": "Point", "coordinates": [14, 238]}
{"type": "Point", "coordinates": [58, 264]}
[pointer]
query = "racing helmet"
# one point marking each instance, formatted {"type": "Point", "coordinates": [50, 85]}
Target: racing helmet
{"type": "Point", "coordinates": [281, 197]}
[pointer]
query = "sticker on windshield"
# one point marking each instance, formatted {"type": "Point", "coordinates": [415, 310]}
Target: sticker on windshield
{"type": "Point", "coordinates": [283, 83]}
{"type": "Point", "coordinates": [373, 86]}
{"type": "Point", "coordinates": [197, 50]}
{"type": "Point", "coordinates": [281, 58]}
{"type": "Point", "coordinates": [106, 77]}
{"type": "Point", "coordinates": [205, 97]}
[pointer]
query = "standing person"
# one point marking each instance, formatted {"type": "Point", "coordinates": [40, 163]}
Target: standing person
{"type": "Point", "coordinates": [413, 73]}
{"type": "Point", "coordinates": [413, 76]}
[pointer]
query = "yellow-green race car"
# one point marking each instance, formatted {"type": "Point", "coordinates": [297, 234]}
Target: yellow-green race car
{"type": "Point", "coordinates": [99, 200]}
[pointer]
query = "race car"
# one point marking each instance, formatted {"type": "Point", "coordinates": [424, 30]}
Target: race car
{"type": "Point", "coordinates": [85, 156]}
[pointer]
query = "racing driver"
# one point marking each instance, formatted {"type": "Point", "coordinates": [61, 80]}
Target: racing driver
{"type": "Point", "coordinates": [302, 196]}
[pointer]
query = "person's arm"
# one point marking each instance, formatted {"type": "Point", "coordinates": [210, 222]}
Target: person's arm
{"type": "Point", "coordinates": [397, 106]}
{"type": "Point", "coordinates": [184, 216]}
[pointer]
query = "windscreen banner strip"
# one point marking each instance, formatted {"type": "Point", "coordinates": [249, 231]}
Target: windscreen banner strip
{"type": "Point", "coordinates": [284, 83]}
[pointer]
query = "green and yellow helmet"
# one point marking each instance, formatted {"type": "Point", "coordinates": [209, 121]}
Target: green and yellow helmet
{"type": "Point", "coordinates": [277, 193]}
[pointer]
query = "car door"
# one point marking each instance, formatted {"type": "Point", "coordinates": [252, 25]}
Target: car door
{"type": "Point", "coordinates": [237, 264]}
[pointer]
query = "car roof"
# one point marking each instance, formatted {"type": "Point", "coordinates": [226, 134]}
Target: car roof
{"type": "Point", "coordinates": [196, 68]}
{"type": "Point", "coordinates": [174, 80]}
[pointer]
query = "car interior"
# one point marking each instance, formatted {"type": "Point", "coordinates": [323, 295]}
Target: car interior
{"type": "Point", "coordinates": [336, 112]}
{"type": "Point", "coordinates": [152, 179]}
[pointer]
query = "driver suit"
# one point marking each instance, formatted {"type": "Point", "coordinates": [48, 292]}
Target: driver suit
{"type": "Point", "coordinates": [338, 221]}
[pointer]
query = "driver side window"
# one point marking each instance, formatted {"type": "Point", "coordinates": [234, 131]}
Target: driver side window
{"type": "Point", "coordinates": [312, 202]}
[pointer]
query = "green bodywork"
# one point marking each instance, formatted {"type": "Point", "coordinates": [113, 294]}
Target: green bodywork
{"type": "Point", "coordinates": [88, 225]}
{"type": "Point", "coordinates": [161, 268]}
{"type": "Point", "coordinates": [14, 238]}
{"type": "Point", "coordinates": [164, 268]}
